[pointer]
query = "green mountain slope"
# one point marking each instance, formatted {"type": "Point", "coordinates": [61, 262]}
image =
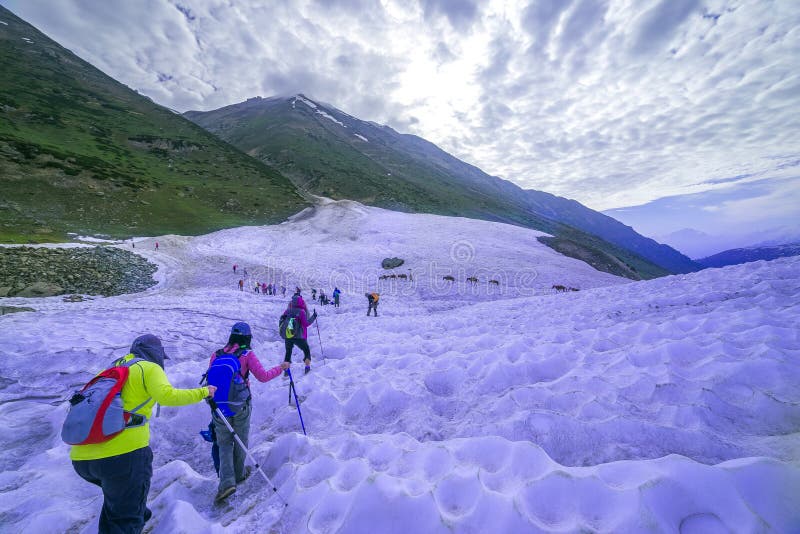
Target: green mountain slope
{"type": "Point", "coordinates": [80, 152]}
{"type": "Point", "coordinates": [328, 152]}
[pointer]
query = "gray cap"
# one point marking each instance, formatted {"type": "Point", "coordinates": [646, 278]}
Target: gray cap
{"type": "Point", "coordinates": [148, 347]}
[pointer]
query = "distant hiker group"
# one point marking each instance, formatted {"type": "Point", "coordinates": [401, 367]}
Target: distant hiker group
{"type": "Point", "coordinates": [258, 286]}
{"type": "Point", "coordinates": [268, 289]}
{"type": "Point", "coordinates": [323, 298]}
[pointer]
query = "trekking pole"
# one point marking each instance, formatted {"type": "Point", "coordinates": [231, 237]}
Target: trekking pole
{"type": "Point", "coordinates": [320, 338]}
{"type": "Point", "coordinates": [219, 413]}
{"type": "Point", "coordinates": [296, 401]}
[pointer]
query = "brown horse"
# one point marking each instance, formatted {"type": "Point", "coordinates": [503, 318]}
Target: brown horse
{"type": "Point", "coordinates": [472, 279]}
{"type": "Point", "coordinates": [495, 282]}
{"type": "Point", "coordinates": [449, 278]}
{"type": "Point", "coordinates": [559, 288]}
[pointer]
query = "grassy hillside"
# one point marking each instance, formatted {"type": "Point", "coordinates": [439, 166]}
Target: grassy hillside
{"type": "Point", "coordinates": [80, 152]}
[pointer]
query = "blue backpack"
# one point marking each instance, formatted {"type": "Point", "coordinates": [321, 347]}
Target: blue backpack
{"type": "Point", "coordinates": [225, 373]}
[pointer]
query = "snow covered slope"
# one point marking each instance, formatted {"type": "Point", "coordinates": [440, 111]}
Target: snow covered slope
{"type": "Point", "coordinates": [669, 405]}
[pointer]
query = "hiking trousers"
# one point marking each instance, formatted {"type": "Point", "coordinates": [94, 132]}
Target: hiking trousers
{"type": "Point", "coordinates": [300, 343]}
{"type": "Point", "coordinates": [231, 455]}
{"type": "Point", "coordinates": [125, 481]}
{"type": "Point", "coordinates": [373, 306]}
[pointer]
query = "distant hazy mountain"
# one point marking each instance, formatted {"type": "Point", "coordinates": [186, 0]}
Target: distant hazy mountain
{"type": "Point", "coordinates": [80, 152]}
{"type": "Point", "coordinates": [697, 244]}
{"type": "Point", "coordinates": [330, 153]}
{"type": "Point", "coordinates": [693, 243]}
{"type": "Point", "coordinates": [745, 255]}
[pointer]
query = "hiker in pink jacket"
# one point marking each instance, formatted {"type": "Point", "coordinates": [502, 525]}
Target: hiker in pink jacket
{"type": "Point", "coordinates": [231, 456]}
{"type": "Point", "coordinates": [297, 309]}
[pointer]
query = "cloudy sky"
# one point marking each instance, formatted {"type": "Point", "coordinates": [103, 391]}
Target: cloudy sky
{"type": "Point", "coordinates": [615, 103]}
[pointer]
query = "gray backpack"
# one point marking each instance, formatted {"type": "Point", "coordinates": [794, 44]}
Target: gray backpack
{"type": "Point", "coordinates": [96, 414]}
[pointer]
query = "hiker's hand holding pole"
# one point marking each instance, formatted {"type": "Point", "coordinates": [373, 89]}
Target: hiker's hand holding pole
{"type": "Point", "coordinates": [285, 365]}
{"type": "Point", "coordinates": [211, 390]}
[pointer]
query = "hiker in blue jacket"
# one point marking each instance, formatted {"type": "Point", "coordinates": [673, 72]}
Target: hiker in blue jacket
{"type": "Point", "coordinates": [231, 455]}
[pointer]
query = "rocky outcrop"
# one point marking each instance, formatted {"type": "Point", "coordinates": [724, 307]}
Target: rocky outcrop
{"type": "Point", "coordinates": [45, 272]}
{"type": "Point", "coordinates": [14, 309]}
{"type": "Point", "coordinates": [392, 263]}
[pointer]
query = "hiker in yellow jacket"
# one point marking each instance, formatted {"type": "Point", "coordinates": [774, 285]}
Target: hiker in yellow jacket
{"type": "Point", "coordinates": [123, 465]}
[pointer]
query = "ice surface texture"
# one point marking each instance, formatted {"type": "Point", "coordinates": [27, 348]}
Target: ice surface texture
{"type": "Point", "coordinates": [669, 405]}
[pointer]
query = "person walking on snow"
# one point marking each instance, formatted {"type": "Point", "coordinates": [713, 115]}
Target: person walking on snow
{"type": "Point", "coordinates": [241, 285]}
{"type": "Point", "coordinates": [313, 294]}
{"type": "Point", "coordinates": [231, 456]}
{"type": "Point", "coordinates": [297, 308]}
{"type": "Point", "coordinates": [156, 245]}
{"type": "Point", "coordinates": [123, 465]}
{"type": "Point", "coordinates": [336, 294]}
{"type": "Point", "coordinates": [372, 298]}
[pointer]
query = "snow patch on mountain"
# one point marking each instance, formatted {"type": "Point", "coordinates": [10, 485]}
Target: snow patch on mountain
{"type": "Point", "coordinates": [362, 137]}
{"type": "Point", "coordinates": [317, 110]}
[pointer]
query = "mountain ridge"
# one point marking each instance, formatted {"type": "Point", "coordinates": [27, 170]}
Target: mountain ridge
{"type": "Point", "coordinates": [737, 256]}
{"type": "Point", "coordinates": [333, 154]}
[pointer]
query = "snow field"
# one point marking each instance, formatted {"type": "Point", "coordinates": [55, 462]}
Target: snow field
{"type": "Point", "coordinates": [668, 405]}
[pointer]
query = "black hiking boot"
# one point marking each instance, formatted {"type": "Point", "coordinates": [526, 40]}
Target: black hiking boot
{"type": "Point", "coordinates": [224, 494]}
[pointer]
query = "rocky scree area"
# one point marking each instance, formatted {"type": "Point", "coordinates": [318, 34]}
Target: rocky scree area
{"type": "Point", "coordinates": [45, 272]}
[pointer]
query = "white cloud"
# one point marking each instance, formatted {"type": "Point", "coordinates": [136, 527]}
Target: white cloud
{"type": "Point", "coordinates": [610, 102]}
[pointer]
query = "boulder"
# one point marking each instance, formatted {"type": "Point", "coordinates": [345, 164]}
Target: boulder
{"type": "Point", "coordinates": [392, 263]}
{"type": "Point", "coordinates": [40, 289]}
